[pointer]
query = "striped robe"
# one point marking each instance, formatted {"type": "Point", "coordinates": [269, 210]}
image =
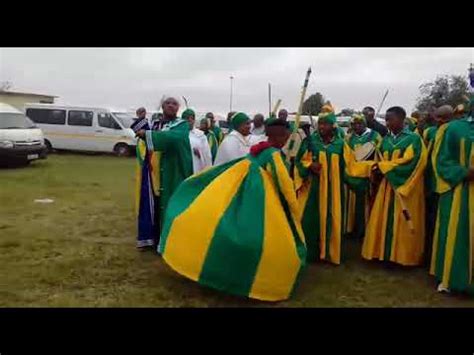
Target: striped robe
{"type": "Point", "coordinates": [235, 228]}
{"type": "Point", "coordinates": [453, 245]}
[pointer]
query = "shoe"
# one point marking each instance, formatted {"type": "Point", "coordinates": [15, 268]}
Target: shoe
{"type": "Point", "coordinates": [441, 288]}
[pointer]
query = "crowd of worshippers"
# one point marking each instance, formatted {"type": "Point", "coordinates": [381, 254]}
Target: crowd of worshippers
{"type": "Point", "coordinates": [404, 189]}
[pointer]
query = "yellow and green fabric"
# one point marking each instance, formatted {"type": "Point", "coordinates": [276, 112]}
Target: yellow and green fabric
{"type": "Point", "coordinates": [175, 162]}
{"type": "Point", "coordinates": [453, 155]}
{"type": "Point", "coordinates": [431, 197]}
{"type": "Point", "coordinates": [321, 197]}
{"type": "Point", "coordinates": [388, 236]}
{"type": "Point", "coordinates": [236, 228]}
{"type": "Point", "coordinates": [213, 144]}
{"type": "Point", "coordinates": [358, 199]}
{"type": "Point", "coordinates": [412, 124]}
{"type": "Point", "coordinates": [218, 134]}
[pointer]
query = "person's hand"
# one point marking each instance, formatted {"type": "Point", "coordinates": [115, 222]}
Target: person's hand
{"type": "Point", "coordinates": [141, 133]}
{"type": "Point", "coordinates": [315, 168]}
{"type": "Point", "coordinates": [470, 175]}
{"type": "Point", "coordinates": [376, 175]}
{"type": "Point", "coordinates": [196, 153]}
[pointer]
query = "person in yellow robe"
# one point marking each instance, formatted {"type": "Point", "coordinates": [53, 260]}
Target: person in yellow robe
{"type": "Point", "coordinates": [396, 230]}
{"type": "Point", "coordinates": [323, 164]}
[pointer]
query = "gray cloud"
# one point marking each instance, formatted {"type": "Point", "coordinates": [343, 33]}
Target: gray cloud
{"type": "Point", "coordinates": [131, 77]}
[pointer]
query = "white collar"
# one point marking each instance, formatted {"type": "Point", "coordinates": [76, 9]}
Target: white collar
{"type": "Point", "coordinates": [367, 131]}
{"type": "Point", "coordinates": [240, 137]}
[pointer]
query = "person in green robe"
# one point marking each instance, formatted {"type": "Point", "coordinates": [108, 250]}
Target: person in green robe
{"type": "Point", "coordinates": [363, 141]}
{"type": "Point", "coordinates": [453, 165]}
{"type": "Point", "coordinates": [214, 128]}
{"type": "Point", "coordinates": [175, 161]}
{"type": "Point", "coordinates": [440, 116]}
{"type": "Point", "coordinates": [412, 122]}
{"type": "Point", "coordinates": [323, 163]}
{"type": "Point", "coordinates": [395, 231]}
{"type": "Point", "coordinates": [250, 242]}
{"type": "Point", "coordinates": [205, 126]}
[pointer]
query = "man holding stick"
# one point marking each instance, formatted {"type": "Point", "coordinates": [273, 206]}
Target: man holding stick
{"type": "Point", "coordinates": [396, 230]}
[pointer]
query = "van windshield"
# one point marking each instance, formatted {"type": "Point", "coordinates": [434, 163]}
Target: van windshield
{"type": "Point", "coordinates": [9, 120]}
{"type": "Point", "coordinates": [124, 118]}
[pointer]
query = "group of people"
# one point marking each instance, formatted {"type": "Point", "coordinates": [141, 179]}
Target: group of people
{"type": "Point", "coordinates": [245, 212]}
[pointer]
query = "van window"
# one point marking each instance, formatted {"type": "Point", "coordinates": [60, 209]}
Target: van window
{"type": "Point", "coordinates": [106, 120]}
{"type": "Point", "coordinates": [80, 118]}
{"type": "Point", "coordinates": [48, 116]}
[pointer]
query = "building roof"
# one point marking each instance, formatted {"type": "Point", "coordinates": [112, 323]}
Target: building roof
{"type": "Point", "coordinates": [5, 108]}
{"type": "Point", "coordinates": [16, 93]}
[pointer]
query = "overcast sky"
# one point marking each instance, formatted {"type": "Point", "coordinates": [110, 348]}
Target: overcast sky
{"type": "Point", "coordinates": [129, 77]}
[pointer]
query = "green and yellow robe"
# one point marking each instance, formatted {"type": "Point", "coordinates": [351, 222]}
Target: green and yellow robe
{"type": "Point", "coordinates": [388, 236]}
{"type": "Point", "coordinates": [174, 161]}
{"type": "Point", "coordinates": [431, 197]}
{"type": "Point", "coordinates": [236, 228]}
{"type": "Point", "coordinates": [453, 155]}
{"type": "Point", "coordinates": [218, 134]}
{"type": "Point", "coordinates": [411, 124]}
{"type": "Point", "coordinates": [321, 198]}
{"type": "Point", "coordinates": [358, 201]}
{"type": "Point", "coordinates": [213, 144]}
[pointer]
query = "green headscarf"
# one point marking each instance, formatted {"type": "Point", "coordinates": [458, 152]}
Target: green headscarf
{"type": "Point", "coordinates": [358, 118]}
{"type": "Point", "coordinates": [186, 113]}
{"type": "Point", "coordinates": [238, 119]}
{"type": "Point", "coordinates": [328, 117]}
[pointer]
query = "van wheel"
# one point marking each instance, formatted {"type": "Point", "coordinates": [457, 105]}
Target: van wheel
{"type": "Point", "coordinates": [122, 150]}
{"type": "Point", "coordinates": [49, 147]}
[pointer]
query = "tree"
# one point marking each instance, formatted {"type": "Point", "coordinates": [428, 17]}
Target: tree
{"type": "Point", "coordinates": [313, 104]}
{"type": "Point", "coordinates": [445, 90]}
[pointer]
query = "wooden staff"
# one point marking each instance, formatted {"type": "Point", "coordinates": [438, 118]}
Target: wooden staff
{"type": "Point", "coordinates": [298, 115]}
{"type": "Point", "coordinates": [269, 99]}
{"type": "Point", "coordinates": [275, 108]}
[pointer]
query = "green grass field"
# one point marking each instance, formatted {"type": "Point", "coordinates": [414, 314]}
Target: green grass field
{"type": "Point", "coordinates": [80, 251]}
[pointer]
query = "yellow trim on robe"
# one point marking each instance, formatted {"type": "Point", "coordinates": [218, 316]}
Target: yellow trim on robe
{"type": "Point", "coordinates": [336, 207]}
{"type": "Point", "coordinates": [417, 174]}
{"type": "Point", "coordinates": [323, 202]}
{"type": "Point", "coordinates": [278, 244]}
{"type": "Point", "coordinates": [441, 185]}
{"type": "Point", "coordinates": [386, 165]}
{"type": "Point", "coordinates": [452, 228]}
{"type": "Point", "coordinates": [471, 210]}
{"type": "Point", "coordinates": [306, 161]}
{"type": "Point", "coordinates": [435, 245]}
{"type": "Point", "coordinates": [351, 197]}
{"type": "Point", "coordinates": [189, 261]}
{"type": "Point", "coordinates": [155, 160]}
{"type": "Point", "coordinates": [361, 169]}
{"type": "Point", "coordinates": [288, 190]}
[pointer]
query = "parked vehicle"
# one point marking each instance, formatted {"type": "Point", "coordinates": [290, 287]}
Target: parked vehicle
{"type": "Point", "coordinates": [21, 141]}
{"type": "Point", "coordinates": [83, 128]}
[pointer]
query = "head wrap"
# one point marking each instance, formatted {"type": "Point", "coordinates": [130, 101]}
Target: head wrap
{"type": "Point", "coordinates": [239, 119]}
{"type": "Point", "coordinates": [186, 113]}
{"type": "Point", "coordinates": [327, 108]}
{"type": "Point", "coordinates": [206, 120]}
{"type": "Point", "coordinates": [273, 121]}
{"type": "Point", "coordinates": [329, 117]}
{"type": "Point", "coordinates": [444, 110]}
{"type": "Point", "coordinates": [358, 118]}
